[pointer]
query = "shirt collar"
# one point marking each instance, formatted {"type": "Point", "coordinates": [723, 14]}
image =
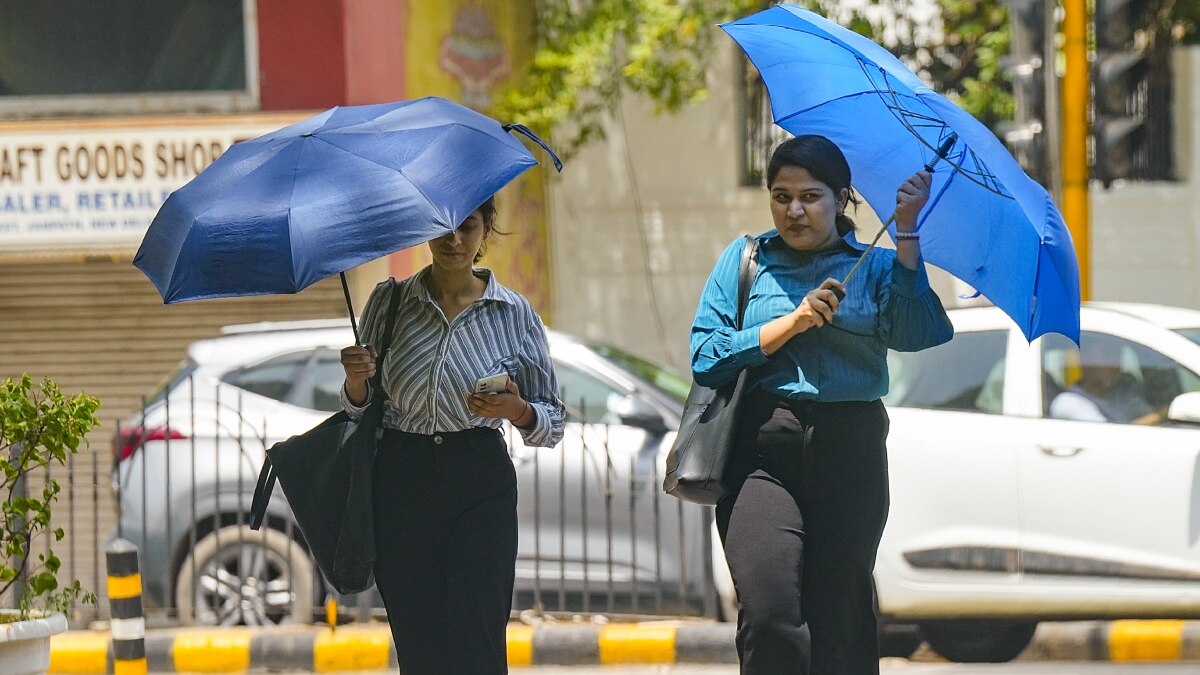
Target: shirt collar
{"type": "Point", "coordinates": [418, 291]}
{"type": "Point", "coordinates": [848, 239]}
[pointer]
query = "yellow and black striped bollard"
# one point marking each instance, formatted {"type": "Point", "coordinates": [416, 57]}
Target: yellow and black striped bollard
{"type": "Point", "coordinates": [128, 627]}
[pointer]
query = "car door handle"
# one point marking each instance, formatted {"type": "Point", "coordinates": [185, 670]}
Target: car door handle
{"type": "Point", "coordinates": [1061, 450]}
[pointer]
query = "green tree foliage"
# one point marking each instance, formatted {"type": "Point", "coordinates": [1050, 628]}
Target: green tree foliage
{"type": "Point", "coordinates": [37, 428]}
{"type": "Point", "coordinates": [590, 51]}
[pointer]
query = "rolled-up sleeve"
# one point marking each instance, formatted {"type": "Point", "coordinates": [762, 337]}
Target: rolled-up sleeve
{"type": "Point", "coordinates": [912, 317]}
{"type": "Point", "coordinates": [719, 350]}
{"type": "Point", "coordinates": [539, 386]}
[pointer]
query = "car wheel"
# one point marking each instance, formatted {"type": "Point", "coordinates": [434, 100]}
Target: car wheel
{"type": "Point", "coordinates": [978, 641]}
{"type": "Point", "coordinates": [898, 639]}
{"type": "Point", "coordinates": [245, 577]}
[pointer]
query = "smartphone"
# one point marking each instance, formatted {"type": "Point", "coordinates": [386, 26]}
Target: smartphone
{"type": "Point", "coordinates": [492, 384]}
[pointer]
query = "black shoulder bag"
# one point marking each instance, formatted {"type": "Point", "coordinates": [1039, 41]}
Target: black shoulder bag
{"type": "Point", "coordinates": [697, 461]}
{"type": "Point", "coordinates": [325, 474]}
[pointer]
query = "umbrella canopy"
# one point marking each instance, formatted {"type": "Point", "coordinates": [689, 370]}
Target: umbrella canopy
{"type": "Point", "coordinates": [280, 212]}
{"type": "Point", "coordinates": [987, 222]}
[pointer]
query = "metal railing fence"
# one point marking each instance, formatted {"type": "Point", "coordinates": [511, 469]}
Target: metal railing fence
{"type": "Point", "coordinates": [596, 533]}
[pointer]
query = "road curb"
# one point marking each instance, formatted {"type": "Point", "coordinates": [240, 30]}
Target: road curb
{"type": "Point", "coordinates": [368, 648]}
{"type": "Point", "coordinates": [1118, 641]}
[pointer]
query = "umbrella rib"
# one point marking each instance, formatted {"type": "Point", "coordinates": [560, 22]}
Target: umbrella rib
{"type": "Point", "coordinates": [382, 165]}
{"type": "Point", "coordinates": [400, 170]}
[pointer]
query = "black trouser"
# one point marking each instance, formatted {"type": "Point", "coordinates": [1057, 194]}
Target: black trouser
{"type": "Point", "coordinates": [801, 526]}
{"type": "Point", "coordinates": [446, 549]}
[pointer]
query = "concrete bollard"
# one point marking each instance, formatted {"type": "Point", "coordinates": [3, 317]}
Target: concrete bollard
{"type": "Point", "coordinates": [128, 627]}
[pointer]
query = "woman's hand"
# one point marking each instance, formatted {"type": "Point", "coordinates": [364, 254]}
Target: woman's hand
{"type": "Point", "coordinates": [910, 199]}
{"type": "Point", "coordinates": [819, 305]}
{"type": "Point", "coordinates": [359, 364]}
{"type": "Point", "coordinates": [508, 405]}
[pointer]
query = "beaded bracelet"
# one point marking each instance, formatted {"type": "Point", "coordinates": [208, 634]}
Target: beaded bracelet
{"type": "Point", "coordinates": [908, 235]}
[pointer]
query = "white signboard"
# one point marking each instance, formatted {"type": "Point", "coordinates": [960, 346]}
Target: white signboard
{"type": "Point", "coordinates": [100, 187]}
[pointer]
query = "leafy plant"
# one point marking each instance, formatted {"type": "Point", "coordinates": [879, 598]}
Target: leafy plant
{"type": "Point", "coordinates": [37, 428]}
{"type": "Point", "coordinates": [590, 51]}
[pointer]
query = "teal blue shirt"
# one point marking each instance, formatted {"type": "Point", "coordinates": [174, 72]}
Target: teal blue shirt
{"type": "Point", "coordinates": [887, 306]}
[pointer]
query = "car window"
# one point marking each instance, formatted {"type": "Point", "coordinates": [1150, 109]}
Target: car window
{"type": "Point", "coordinates": [323, 386]}
{"type": "Point", "coordinates": [176, 378]}
{"type": "Point", "coordinates": [273, 378]}
{"type": "Point", "coordinates": [1109, 378]}
{"type": "Point", "coordinates": [664, 379]}
{"type": "Point", "coordinates": [966, 373]}
{"type": "Point", "coordinates": [1192, 334]}
{"type": "Point", "coordinates": [587, 398]}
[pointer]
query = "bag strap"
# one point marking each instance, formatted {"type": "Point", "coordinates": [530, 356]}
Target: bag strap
{"type": "Point", "coordinates": [389, 325]}
{"type": "Point", "coordinates": [266, 475]}
{"type": "Point", "coordinates": [747, 271]}
{"type": "Point", "coordinates": [262, 493]}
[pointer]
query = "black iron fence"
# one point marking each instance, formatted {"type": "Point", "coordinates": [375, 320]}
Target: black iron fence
{"type": "Point", "coordinates": [596, 533]}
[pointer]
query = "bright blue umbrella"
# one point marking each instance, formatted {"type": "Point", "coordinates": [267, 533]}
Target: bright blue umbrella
{"type": "Point", "coordinates": [986, 223]}
{"type": "Point", "coordinates": [280, 212]}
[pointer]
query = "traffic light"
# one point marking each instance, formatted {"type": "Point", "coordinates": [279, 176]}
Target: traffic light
{"type": "Point", "coordinates": [1027, 66]}
{"type": "Point", "coordinates": [1119, 89]}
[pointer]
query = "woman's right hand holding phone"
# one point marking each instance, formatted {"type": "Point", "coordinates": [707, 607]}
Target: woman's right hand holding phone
{"type": "Point", "coordinates": [359, 364]}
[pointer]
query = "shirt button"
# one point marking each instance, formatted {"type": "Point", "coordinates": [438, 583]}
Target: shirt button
{"type": "Point", "coordinates": [437, 439]}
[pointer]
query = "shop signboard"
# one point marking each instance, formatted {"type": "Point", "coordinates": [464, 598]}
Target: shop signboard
{"type": "Point", "coordinates": [96, 184]}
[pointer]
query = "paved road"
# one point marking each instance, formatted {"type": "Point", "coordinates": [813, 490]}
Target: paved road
{"type": "Point", "coordinates": [899, 667]}
{"type": "Point", "coordinates": [890, 667]}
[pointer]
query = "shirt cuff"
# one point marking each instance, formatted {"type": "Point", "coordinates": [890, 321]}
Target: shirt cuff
{"type": "Point", "coordinates": [355, 411]}
{"type": "Point", "coordinates": [747, 347]}
{"type": "Point", "coordinates": [537, 434]}
{"type": "Point", "coordinates": [910, 283]}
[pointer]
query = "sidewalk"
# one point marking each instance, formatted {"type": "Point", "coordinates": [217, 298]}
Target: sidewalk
{"type": "Point", "coordinates": [369, 647]}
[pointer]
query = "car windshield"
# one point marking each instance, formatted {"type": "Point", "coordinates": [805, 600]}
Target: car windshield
{"type": "Point", "coordinates": [667, 381]}
{"type": "Point", "coordinates": [1192, 334]}
{"type": "Point", "coordinates": [182, 372]}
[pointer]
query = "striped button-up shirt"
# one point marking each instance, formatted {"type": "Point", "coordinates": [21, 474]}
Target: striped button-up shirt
{"type": "Point", "coordinates": [433, 363]}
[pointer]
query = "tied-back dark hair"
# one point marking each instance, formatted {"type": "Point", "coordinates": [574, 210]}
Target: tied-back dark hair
{"type": "Point", "coordinates": [824, 161]}
{"type": "Point", "coordinates": [488, 211]}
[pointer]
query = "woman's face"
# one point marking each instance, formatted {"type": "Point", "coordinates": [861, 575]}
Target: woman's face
{"type": "Point", "coordinates": [457, 250]}
{"type": "Point", "coordinates": [805, 209]}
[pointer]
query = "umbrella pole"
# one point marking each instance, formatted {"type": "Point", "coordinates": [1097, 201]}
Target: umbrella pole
{"type": "Point", "coordinates": [942, 151]}
{"type": "Point", "coordinates": [350, 307]}
{"type": "Point", "coordinates": [863, 257]}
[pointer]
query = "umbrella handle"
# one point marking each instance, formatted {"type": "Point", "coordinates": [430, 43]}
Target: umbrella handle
{"type": "Point", "coordinates": [524, 130]}
{"type": "Point", "coordinates": [350, 307]}
{"type": "Point", "coordinates": [942, 151]}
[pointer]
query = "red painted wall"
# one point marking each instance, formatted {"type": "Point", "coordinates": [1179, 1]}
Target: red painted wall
{"type": "Point", "coordinates": [314, 54]}
{"type": "Point", "coordinates": [374, 31]}
{"type": "Point", "coordinates": [302, 54]}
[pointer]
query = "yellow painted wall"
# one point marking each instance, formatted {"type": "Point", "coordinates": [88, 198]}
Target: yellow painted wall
{"type": "Point", "coordinates": [467, 51]}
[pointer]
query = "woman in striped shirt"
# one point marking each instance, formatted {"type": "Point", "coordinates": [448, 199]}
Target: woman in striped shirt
{"type": "Point", "coordinates": [445, 489]}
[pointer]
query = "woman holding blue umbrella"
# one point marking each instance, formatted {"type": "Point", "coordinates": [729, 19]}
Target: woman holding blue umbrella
{"type": "Point", "coordinates": [807, 485]}
{"type": "Point", "coordinates": [445, 489]}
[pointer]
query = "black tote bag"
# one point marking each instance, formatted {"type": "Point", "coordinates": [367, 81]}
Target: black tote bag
{"type": "Point", "coordinates": [696, 463]}
{"type": "Point", "coordinates": [325, 473]}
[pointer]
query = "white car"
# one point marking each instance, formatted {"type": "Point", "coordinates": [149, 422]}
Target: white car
{"type": "Point", "coordinates": [596, 531]}
{"type": "Point", "coordinates": [1002, 516]}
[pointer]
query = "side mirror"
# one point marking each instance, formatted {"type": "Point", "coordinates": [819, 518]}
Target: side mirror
{"type": "Point", "coordinates": [636, 412]}
{"type": "Point", "coordinates": [1185, 408]}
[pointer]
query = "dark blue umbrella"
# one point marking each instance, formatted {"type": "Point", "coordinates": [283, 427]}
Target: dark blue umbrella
{"type": "Point", "coordinates": [987, 222]}
{"type": "Point", "coordinates": [280, 212]}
